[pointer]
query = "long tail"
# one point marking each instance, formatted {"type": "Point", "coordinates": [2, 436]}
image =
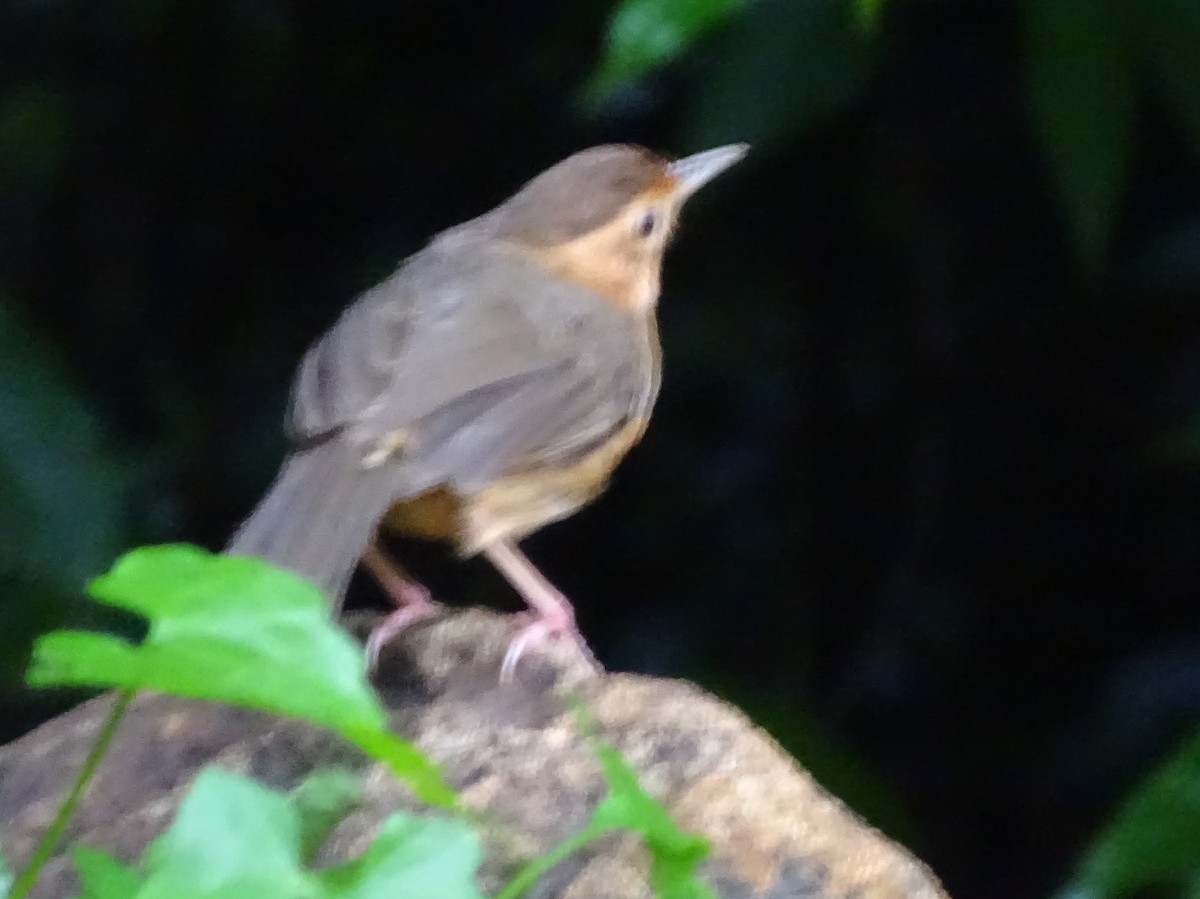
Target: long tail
{"type": "Point", "coordinates": [318, 516]}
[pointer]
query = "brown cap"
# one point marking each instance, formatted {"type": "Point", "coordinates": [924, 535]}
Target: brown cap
{"type": "Point", "coordinates": [587, 189]}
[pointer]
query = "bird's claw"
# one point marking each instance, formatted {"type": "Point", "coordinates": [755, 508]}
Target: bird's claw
{"type": "Point", "coordinates": [394, 624]}
{"type": "Point", "coordinates": [537, 630]}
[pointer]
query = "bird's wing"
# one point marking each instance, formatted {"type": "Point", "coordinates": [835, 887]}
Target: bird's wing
{"type": "Point", "coordinates": [354, 362]}
{"type": "Point", "coordinates": [473, 365]}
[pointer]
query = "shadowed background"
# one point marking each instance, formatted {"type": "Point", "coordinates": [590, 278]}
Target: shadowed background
{"type": "Point", "coordinates": [922, 491]}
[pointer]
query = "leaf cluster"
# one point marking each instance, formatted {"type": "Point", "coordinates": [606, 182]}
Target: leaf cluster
{"type": "Point", "coordinates": [239, 631]}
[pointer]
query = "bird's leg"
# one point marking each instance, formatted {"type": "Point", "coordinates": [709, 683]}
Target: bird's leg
{"type": "Point", "coordinates": [412, 600]}
{"type": "Point", "coordinates": [551, 611]}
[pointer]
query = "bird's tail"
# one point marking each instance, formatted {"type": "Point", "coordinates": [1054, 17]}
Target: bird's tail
{"type": "Point", "coordinates": [318, 516]}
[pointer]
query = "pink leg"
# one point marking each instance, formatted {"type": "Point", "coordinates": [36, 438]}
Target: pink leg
{"type": "Point", "coordinates": [412, 601]}
{"type": "Point", "coordinates": [551, 611]}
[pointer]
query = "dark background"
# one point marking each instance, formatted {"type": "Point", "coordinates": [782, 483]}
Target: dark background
{"type": "Point", "coordinates": [922, 491]}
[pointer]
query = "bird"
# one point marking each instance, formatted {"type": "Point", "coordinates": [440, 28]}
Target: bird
{"type": "Point", "coordinates": [488, 387]}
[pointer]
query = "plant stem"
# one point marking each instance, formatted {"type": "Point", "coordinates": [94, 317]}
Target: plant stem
{"type": "Point", "coordinates": [528, 875]}
{"type": "Point", "coordinates": [25, 881]}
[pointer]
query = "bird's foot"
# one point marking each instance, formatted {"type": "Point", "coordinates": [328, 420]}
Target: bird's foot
{"type": "Point", "coordinates": [414, 604]}
{"type": "Point", "coordinates": [537, 627]}
{"type": "Point", "coordinates": [549, 614]}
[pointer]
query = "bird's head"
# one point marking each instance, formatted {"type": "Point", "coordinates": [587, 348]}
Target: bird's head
{"type": "Point", "coordinates": [602, 217]}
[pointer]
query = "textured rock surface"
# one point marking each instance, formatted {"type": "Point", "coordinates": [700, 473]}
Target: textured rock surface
{"type": "Point", "coordinates": [514, 752]}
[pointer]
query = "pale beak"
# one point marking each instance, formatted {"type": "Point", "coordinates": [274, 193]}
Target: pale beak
{"type": "Point", "coordinates": [693, 172]}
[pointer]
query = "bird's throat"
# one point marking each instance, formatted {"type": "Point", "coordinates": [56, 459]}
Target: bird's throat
{"type": "Point", "coordinates": [605, 262]}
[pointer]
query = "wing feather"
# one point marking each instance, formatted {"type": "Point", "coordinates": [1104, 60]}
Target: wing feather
{"type": "Point", "coordinates": [484, 360]}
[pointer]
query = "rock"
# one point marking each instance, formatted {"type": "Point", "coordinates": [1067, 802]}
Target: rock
{"type": "Point", "coordinates": [514, 751]}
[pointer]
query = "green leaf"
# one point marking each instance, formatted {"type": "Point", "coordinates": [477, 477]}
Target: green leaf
{"type": "Point", "coordinates": [869, 12]}
{"type": "Point", "coordinates": [776, 69]}
{"type": "Point", "coordinates": [1171, 36]}
{"type": "Point", "coordinates": [61, 488]}
{"type": "Point", "coordinates": [102, 876]}
{"type": "Point", "coordinates": [59, 480]}
{"type": "Point", "coordinates": [1153, 842]}
{"type": "Point", "coordinates": [235, 630]}
{"type": "Point", "coordinates": [235, 838]}
{"type": "Point", "coordinates": [674, 854]}
{"type": "Point", "coordinates": [646, 34]}
{"type": "Point", "coordinates": [232, 837]}
{"type": "Point", "coordinates": [322, 801]}
{"type": "Point", "coordinates": [1081, 77]}
{"type": "Point", "coordinates": [411, 857]}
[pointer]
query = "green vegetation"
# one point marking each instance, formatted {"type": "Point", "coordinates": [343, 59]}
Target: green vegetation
{"type": "Point", "coordinates": [237, 630]}
{"type": "Point", "coordinates": [1152, 844]}
{"type": "Point", "coordinates": [929, 421]}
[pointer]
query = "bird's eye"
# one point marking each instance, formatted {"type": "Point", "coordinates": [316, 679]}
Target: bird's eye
{"type": "Point", "coordinates": [647, 223]}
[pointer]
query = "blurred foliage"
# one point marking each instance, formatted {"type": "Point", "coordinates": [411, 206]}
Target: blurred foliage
{"type": "Point", "coordinates": [779, 63]}
{"type": "Point", "coordinates": [1091, 61]}
{"type": "Point", "coordinates": [644, 34]}
{"type": "Point", "coordinates": [237, 630]}
{"type": "Point", "coordinates": [674, 854]}
{"type": "Point", "coordinates": [233, 837]}
{"type": "Point", "coordinates": [922, 479]}
{"type": "Point", "coordinates": [1082, 81]}
{"type": "Point", "coordinates": [61, 513]}
{"type": "Point", "coordinates": [869, 11]}
{"type": "Point", "coordinates": [234, 630]}
{"type": "Point", "coordinates": [793, 60]}
{"type": "Point", "coordinates": [321, 801]}
{"type": "Point", "coordinates": [1169, 33]}
{"type": "Point", "coordinates": [1152, 845]}
{"type": "Point", "coordinates": [780, 66]}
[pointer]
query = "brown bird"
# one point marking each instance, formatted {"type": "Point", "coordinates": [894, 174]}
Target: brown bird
{"type": "Point", "coordinates": [488, 387]}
